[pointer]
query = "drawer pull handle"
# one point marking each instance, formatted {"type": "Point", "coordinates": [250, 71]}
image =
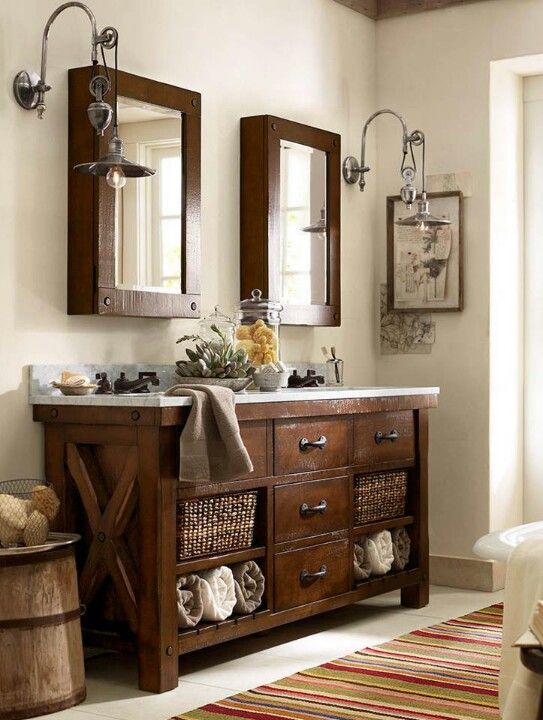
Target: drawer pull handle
{"type": "Point", "coordinates": [391, 436]}
{"type": "Point", "coordinates": [306, 444]}
{"type": "Point", "coordinates": [306, 509]}
{"type": "Point", "coordinates": [307, 577]}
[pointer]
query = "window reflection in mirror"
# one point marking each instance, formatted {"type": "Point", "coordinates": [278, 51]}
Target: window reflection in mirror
{"type": "Point", "coordinates": [148, 211]}
{"type": "Point", "coordinates": [303, 227]}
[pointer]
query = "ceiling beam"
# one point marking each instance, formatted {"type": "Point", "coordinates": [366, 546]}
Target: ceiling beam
{"type": "Point", "coordinates": [366, 7]}
{"type": "Point", "coordinates": [378, 9]}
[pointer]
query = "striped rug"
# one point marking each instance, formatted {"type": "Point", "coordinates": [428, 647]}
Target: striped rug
{"type": "Point", "coordinates": [444, 672]}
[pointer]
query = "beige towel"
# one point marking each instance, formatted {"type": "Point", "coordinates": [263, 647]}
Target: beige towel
{"type": "Point", "coordinates": [218, 594]}
{"type": "Point", "coordinates": [190, 607]}
{"type": "Point", "coordinates": [361, 563]}
{"type": "Point", "coordinates": [211, 448]}
{"type": "Point", "coordinates": [378, 549]}
{"type": "Point", "coordinates": [520, 689]}
{"type": "Point", "coordinates": [249, 587]}
{"type": "Point", "coordinates": [401, 548]}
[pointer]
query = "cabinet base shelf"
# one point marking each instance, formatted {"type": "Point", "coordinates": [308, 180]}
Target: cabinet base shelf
{"type": "Point", "coordinates": [374, 527]}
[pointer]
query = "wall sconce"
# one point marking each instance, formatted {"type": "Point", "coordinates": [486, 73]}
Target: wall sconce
{"type": "Point", "coordinates": [354, 171]}
{"type": "Point", "coordinates": [29, 89]}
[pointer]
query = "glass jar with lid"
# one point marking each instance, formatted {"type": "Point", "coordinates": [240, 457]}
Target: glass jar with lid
{"type": "Point", "coordinates": [257, 329]}
{"type": "Point", "coordinates": [219, 320]}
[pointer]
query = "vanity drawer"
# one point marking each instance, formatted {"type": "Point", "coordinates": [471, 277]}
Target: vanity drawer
{"type": "Point", "coordinates": [314, 573]}
{"type": "Point", "coordinates": [293, 449]}
{"type": "Point", "coordinates": [382, 437]}
{"type": "Point", "coordinates": [254, 438]}
{"type": "Point", "coordinates": [306, 509]}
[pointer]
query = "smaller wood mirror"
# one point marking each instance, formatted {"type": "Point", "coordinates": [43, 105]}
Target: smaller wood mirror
{"type": "Point", "coordinates": [290, 218]}
{"type": "Point", "coordinates": [136, 250]}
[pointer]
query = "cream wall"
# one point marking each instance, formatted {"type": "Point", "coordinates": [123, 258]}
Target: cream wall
{"type": "Point", "coordinates": [435, 69]}
{"type": "Point", "coordinates": [307, 60]}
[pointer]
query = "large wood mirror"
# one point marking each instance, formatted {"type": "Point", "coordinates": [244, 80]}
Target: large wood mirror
{"type": "Point", "coordinates": [136, 250]}
{"type": "Point", "coordinates": [290, 218]}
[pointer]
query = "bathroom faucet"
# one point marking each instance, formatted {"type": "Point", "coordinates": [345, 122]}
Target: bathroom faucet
{"type": "Point", "coordinates": [122, 386]}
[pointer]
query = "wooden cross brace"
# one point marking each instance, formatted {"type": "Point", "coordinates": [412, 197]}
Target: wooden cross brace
{"type": "Point", "coordinates": [108, 518]}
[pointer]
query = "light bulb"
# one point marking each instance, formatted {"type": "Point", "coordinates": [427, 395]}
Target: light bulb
{"type": "Point", "coordinates": [116, 178]}
{"type": "Point", "coordinates": [422, 227]}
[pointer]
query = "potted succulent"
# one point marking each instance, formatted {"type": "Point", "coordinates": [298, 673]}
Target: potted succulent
{"type": "Point", "coordinates": [215, 362]}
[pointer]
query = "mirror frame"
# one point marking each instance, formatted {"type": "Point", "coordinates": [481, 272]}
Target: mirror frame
{"type": "Point", "coordinates": [91, 206]}
{"type": "Point", "coordinates": [260, 204]}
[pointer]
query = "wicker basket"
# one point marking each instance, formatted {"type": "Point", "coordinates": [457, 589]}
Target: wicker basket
{"type": "Point", "coordinates": [379, 496]}
{"type": "Point", "coordinates": [212, 525]}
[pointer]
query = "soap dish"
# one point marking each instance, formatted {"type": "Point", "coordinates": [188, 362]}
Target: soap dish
{"type": "Point", "coordinates": [74, 389]}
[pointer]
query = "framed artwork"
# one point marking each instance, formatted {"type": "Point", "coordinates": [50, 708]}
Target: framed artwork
{"type": "Point", "coordinates": [425, 266]}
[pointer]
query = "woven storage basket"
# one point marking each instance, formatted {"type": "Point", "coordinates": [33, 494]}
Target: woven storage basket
{"type": "Point", "coordinates": [212, 525]}
{"type": "Point", "coordinates": [379, 496]}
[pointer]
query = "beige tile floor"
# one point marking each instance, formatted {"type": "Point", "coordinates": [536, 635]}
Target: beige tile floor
{"type": "Point", "coordinates": [215, 673]}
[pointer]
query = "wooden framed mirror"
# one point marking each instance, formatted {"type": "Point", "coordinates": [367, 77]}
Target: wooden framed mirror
{"type": "Point", "coordinates": [290, 218]}
{"type": "Point", "coordinates": [136, 250]}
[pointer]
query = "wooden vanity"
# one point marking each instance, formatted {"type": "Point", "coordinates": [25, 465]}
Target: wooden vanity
{"type": "Point", "coordinates": [115, 469]}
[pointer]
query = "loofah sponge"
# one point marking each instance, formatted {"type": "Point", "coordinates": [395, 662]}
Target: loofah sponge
{"type": "Point", "coordinates": [45, 500]}
{"type": "Point", "coordinates": [36, 530]}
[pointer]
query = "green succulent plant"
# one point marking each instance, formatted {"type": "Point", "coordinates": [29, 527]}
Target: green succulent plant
{"type": "Point", "coordinates": [214, 358]}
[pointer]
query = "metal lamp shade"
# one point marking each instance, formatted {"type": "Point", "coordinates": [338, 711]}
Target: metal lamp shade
{"type": "Point", "coordinates": [114, 159]}
{"type": "Point", "coordinates": [318, 227]}
{"type": "Point", "coordinates": [422, 217]}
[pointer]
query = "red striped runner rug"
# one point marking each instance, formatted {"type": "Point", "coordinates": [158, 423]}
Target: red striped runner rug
{"type": "Point", "coordinates": [444, 672]}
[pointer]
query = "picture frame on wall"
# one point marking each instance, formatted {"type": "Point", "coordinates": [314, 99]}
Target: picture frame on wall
{"type": "Point", "coordinates": [425, 266]}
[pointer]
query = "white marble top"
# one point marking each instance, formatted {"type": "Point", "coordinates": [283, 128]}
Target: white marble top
{"type": "Point", "coordinates": [41, 392]}
{"type": "Point", "coordinates": [248, 396]}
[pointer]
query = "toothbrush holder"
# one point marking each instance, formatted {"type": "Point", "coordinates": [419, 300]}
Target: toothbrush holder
{"type": "Point", "coordinates": [334, 372]}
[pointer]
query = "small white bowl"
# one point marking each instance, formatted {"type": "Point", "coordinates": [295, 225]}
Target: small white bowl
{"type": "Point", "coordinates": [270, 382]}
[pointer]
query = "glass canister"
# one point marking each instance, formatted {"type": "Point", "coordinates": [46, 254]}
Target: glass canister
{"type": "Point", "coordinates": [257, 329]}
{"type": "Point", "coordinates": [219, 320]}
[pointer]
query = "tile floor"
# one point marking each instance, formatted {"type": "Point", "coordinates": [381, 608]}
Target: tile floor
{"type": "Point", "coordinates": [215, 673]}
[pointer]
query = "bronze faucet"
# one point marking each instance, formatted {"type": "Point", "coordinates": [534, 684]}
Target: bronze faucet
{"type": "Point", "coordinates": [311, 379]}
{"type": "Point", "coordinates": [122, 386]}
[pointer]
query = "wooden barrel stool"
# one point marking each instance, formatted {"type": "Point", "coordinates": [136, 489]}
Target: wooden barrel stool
{"type": "Point", "coordinates": [41, 652]}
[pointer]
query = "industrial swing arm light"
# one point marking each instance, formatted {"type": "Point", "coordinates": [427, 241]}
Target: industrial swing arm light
{"type": "Point", "coordinates": [29, 89]}
{"type": "Point", "coordinates": [353, 172]}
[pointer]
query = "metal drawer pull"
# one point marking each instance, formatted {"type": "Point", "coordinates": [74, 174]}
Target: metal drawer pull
{"type": "Point", "coordinates": [305, 444]}
{"type": "Point", "coordinates": [380, 437]}
{"type": "Point", "coordinates": [307, 577]}
{"type": "Point", "coordinates": [306, 509]}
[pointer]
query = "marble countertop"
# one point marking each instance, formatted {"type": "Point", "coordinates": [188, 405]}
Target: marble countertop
{"type": "Point", "coordinates": [41, 392]}
{"type": "Point", "coordinates": [248, 396]}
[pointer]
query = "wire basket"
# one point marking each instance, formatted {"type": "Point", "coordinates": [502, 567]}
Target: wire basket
{"type": "Point", "coordinates": [214, 525]}
{"type": "Point", "coordinates": [20, 488]}
{"type": "Point", "coordinates": [379, 496]}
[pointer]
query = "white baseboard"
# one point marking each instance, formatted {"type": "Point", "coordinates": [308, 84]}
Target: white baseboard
{"type": "Point", "coordinates": [467, 573]}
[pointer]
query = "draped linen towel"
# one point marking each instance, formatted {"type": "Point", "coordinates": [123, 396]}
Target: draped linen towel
{"type": "Point", "coordinates": [189, 600]}
{"type": "Point", "coordinates": [378, 548]}
{"type": "Point", "coordinates": [401, 548]}
{"type": "Point", "coordinates": [211, 448]}
{"type": "Point", "coordinates": [218, 594]}
{"type": "Point", "coordinates": [361, 564]}
{"type": "Point", "coordinates": [519, 688]}
{"type": "Point", "coordinates": [249, 587]}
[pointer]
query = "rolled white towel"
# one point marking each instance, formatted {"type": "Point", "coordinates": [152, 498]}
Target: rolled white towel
{"type": "Point", "coordinates": [218, 594]}
{"type": "Point", "coordinates": [249, 587]}
{"type": "Point", "coordinates": [401, 548]}
{"type": "Point", "coordinates": [379, 552]}
{"type": "Point", "coordinates": [190, 607]}
{"type": "Point", "coordinates": [362, 567]}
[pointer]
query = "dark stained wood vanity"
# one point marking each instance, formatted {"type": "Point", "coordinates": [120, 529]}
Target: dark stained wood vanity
{"type": "Point", "coordinates": [116, 472]}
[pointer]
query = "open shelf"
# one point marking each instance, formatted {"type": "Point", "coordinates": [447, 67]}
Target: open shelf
{"type": "Point", "coordinates": [206, 633]}
{"type": "Point", "coordinates": [390, 577]}
{"type": "Point", "coordinates": [383, 525]}
{"type": "Point", "coordinates": [211, 561]}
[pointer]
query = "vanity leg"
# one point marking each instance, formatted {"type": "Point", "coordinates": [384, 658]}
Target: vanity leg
{"type": "Point", "coordinates": [418, 596]}
{"type": "Point", "coordinates": [157, 610]}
